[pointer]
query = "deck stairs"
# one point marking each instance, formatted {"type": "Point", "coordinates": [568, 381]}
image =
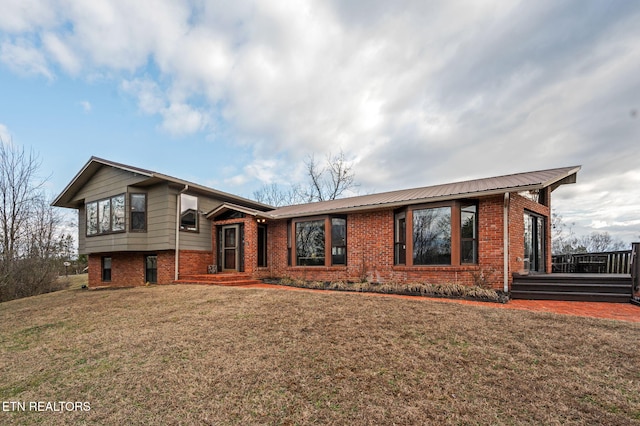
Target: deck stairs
{"type": "Point", "coordinates": [615, 288]}
{"type": "Point", "coordinates": [223, 279]}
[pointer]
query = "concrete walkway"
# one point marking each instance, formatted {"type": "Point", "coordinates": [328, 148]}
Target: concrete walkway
{"type": "Point", "coordinates": [615, 311]}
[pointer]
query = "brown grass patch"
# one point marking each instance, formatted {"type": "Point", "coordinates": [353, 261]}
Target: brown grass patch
{"type": "Point", "coordinates": [215, 355]}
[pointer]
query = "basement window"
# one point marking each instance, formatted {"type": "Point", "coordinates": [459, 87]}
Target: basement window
{"type": "Point", "coordinates": [106, 269]}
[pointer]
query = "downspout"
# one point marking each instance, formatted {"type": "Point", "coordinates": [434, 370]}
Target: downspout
{"type": "Point", "coordinates": [505, 238]}
{"type": "Point", "coordinates": [178, 209]}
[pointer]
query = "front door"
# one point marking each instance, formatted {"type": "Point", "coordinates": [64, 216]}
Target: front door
{"type": "Point", "coordinates": [230, 248]}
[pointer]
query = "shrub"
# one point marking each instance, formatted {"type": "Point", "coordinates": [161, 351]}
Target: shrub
{"type": "Point", "coordinates": [417, 288]}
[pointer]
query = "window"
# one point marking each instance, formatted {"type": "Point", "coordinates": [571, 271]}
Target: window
{"type": "Point", "coordinates": [92, 218]}
{"type": "Point", "coordinates": [432, 236]}
{"type": "Point", "coordinates": [188, 213]}
{"type": "Point", "coordinates": [468, 234]}
{"type": "Point", "coordinates": [338, 241]}
{"type": "Point", "coordinates": [262, 245]}
{"type": "Point", "coordinates": [400, 239]}
{"type": "Point", "coordinates": [289, 243]}
{"type": "Point", "coordinates": [151, 269]}
{"type": "Point", "coordinates": [310, 243]}
{"type": "Point", "coordinates": [320, 242]}
{"type": "Point", "coordinates": [106, 269]}
{"type": "Point", "coordinates": [105, 216]}
{"type": "Point", "coordinates": [534, 239]}
{"type": "Point", "coordinates": [138, 212]}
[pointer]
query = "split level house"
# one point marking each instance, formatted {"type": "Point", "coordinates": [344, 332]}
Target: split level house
{"type": "Point", "coordinates": [138, 226]}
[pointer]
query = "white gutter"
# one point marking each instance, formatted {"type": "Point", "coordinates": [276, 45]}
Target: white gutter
{"type": "Point", "coordinates": [178, 209]}
{"type": "Point", "coordinates": [505, 237]}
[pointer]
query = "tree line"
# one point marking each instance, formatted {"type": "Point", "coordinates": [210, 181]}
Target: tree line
{"type": "Point", "coordinates": [564, 240]}
{"type": "Point", "coordinates": [33, 245]}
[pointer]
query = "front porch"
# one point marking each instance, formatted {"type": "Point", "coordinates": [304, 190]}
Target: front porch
{"type": "Point", "coordinates": [224, 279]}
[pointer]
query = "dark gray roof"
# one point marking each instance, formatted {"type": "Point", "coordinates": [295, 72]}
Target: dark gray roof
{"type": "Point", "coordinates": [472, 188]}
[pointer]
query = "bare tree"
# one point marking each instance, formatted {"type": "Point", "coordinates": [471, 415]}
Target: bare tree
{"type": "Point", "coordinates": [276, 195]}
{"type": "Point", "coordinates": [29, 239]}
{"type": "Point", "coordinates": [564, 241]}
{"type": "Point", "coordinates": [325, 182]}
{"type": "Point", "coordinates": [598, 242]}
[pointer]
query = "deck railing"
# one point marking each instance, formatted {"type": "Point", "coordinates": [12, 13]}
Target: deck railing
{"type": "Point", "coordinates": [635, 266]}
{"type": "Point", "coordinates": [610, 262]}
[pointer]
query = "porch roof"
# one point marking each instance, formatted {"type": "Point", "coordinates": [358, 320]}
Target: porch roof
{"type": "Point", "coordinates": [551, 178]}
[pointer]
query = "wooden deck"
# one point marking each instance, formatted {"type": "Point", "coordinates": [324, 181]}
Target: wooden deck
{"type": "Point", "coordinates": [615, 288]}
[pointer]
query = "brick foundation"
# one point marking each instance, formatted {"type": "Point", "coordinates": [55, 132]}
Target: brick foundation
{"type": "Point", "coordinates": [128, 269]}
{"type": "Point", "coordinates": [370, 251]}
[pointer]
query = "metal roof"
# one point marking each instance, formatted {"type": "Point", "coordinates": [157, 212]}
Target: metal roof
{"type": "Point", "coordinates": [551, 178]}
{"type": "Point", "coordinates": [472, 188]}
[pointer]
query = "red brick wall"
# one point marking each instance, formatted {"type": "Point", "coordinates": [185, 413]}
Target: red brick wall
{"type": "Point", "coordinates": [517, 206]}
{"type": "Point", "coordinates": [128, 269]}
{"type": "Point", "coordinates": [194, 262]}
{"type": "Point", "coordinates": [370, 249]}
{"type": "Point", "coordinates": [250, 248]}
{"type": "Point", "coordinates": [490, 239]}
{"type": "Point", "coordinates": [370, 238]}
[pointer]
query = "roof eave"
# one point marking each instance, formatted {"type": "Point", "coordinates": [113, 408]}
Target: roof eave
{"type": "Point", "coordinates": [230, 206]}
{"type": "Point", "coordinates": [571, 176]}
{"type": "Point", "coordinates": [63, 200]}
{"type": "Point", "coordinates": [403, 203]}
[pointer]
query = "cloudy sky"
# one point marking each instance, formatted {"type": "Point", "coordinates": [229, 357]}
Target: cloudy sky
{"type": "Point", "coordinates": [235, 95]}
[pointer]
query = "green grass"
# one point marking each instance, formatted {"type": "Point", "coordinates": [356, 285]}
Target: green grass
{"type": "Point", "coordinates": [215, 355]}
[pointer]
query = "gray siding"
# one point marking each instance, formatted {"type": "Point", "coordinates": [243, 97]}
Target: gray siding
{"type": "Point", "coordinates": [200, 240]}
{"type": "Point", "coordinates": [106, 182]}
{"type": "Point", "coordinates": [161, 215]}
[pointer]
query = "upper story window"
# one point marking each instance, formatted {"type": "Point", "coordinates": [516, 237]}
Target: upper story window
{"type": "Point", "coordinates": [188, 213]}
{"type": "Point", "coordinates": [138, 212]}
{"type": "Point", "coordinates": [105, 216]}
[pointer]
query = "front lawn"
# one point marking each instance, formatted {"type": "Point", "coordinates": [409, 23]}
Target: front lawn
{"type": "Point", "coordinates": [215, 355]}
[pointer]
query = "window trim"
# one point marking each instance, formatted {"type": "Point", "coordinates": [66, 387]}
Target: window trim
{"type": "Point", "coordinates": [450, 254]}
{"type": "Point", "coordinates": [328, 243]}
{"type": "Point", "coordinates": [103, 269]}
{"type": "Point", "coordinates": [262, 252]}
{"type": "Point", "coordinates": [476, 229]}
{"type": "Point", "coordinates": [456, 232]}
{"type": "Point", "coordinates": [98, 218]}
{"type": "Point", "coordinates": [196, 214]}
{"type": "Point", "coordinates": [295, 222]}
{"type": "Point", "coordinates": [130, 210]}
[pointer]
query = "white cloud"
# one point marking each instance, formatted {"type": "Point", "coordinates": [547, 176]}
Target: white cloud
{"type": "Point", "coordinates": [416, 92]}
{"type": "Point", "coordinates": [86, 106]}
{"type": "Point", "coordinates": [23, 57]}
{"type": "Point", "coordinates": [5, 136]}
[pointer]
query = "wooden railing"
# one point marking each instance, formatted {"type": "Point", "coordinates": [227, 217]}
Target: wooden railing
{"type": "Point", "coordinates": [635, 266]}
{"type": "Point", "coordinates": [611, 262]}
